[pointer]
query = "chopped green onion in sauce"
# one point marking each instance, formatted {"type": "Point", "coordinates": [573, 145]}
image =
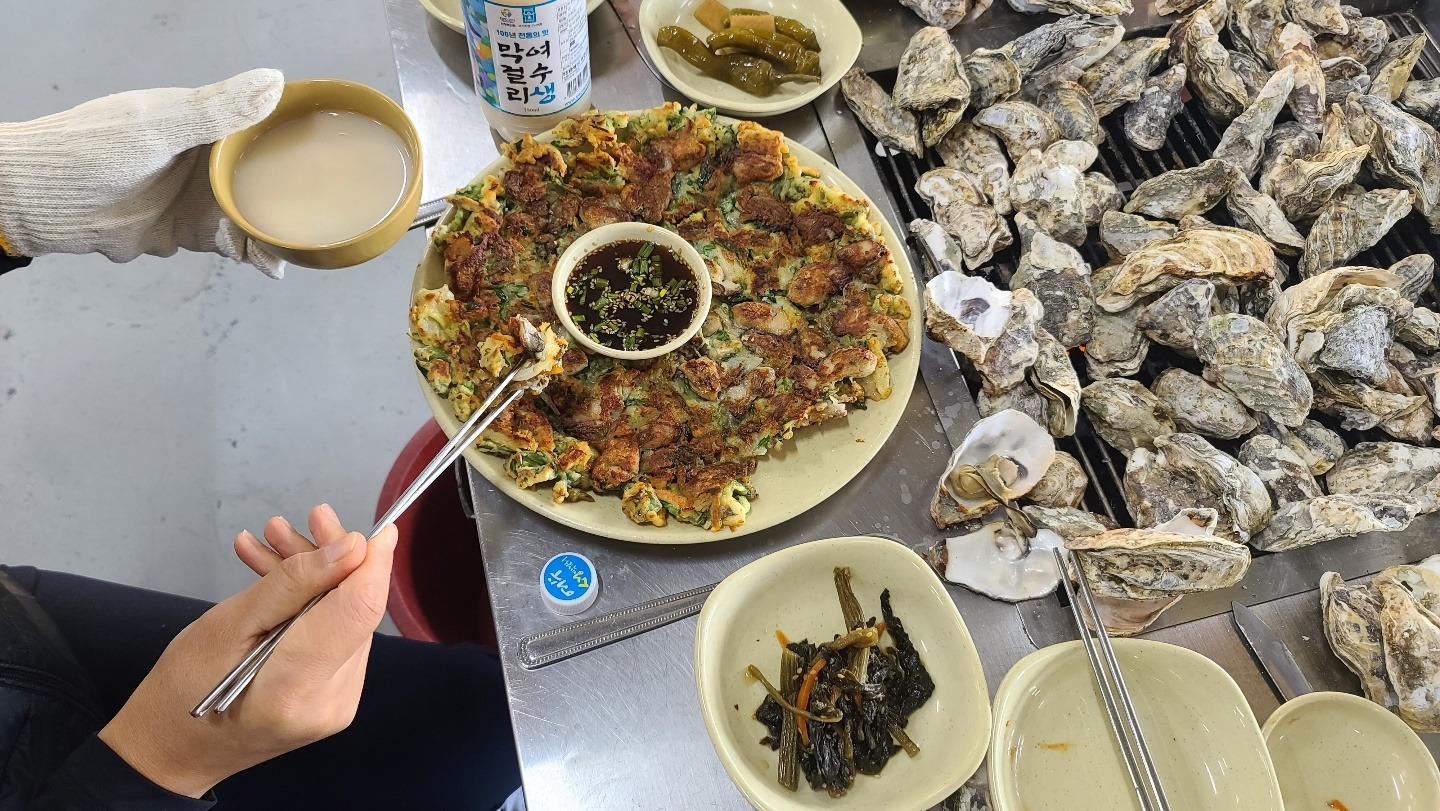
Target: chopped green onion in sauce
{"type": "Point", "coordinates": [632, 295]}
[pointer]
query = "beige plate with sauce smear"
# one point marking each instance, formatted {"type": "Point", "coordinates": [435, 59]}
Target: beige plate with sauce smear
{"type": "Point", "coordinates": [793, 591]}
{"type": "Point", "coordinates": [1337, 751]}
{"type": "Point", "coordinates": [803, 472]}
{"type": "Point", "coordinates": [1052, 749]}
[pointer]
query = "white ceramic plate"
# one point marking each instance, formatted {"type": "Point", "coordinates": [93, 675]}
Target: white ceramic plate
{"type": "Point", "coordinates": [802, 473]}
{"type": "Point", "coordinates": [450, 13]}
{"type": "Point", "coordinates": [1052, 748]}
{"type": "Point", "coordinates": [1335, 750]}
{"type": "Point", "coordinates": [837, 32]}
{"type": "Point", "coordinates": [793, 590]}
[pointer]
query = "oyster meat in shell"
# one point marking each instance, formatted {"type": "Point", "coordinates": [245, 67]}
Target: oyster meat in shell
{"type": "Point", "coordinates": [964, 213]}
{"type": "Point", "coordinates": [1293, 46]}
{"type": "Point", "coordinates": [1020, 124]}
{"type": "Point", "coordinates": [1201, 407]}
{"type": "Point", "coordinates": [1177, 318]}
{"type": "Point", "coordinates": [1049, 187]}
{"type": "Point", "coordinates": [993, 329]}
{"type": "Point", "coordinates": [1148, 564]}
{"type": "Point", "coordinates": [1212, 78]}
{"type": "Point", "coordinates": [1260, 214]}
{"type": "Point", "coordinates": [1185, 471]}
{"type": "Point", "coordinates": [999, 562]}
{"type": "Point", "coordinates": [1123, 234]}
{"type": "Point", "coordinates": [930, 72]}
{"type": "Point", "coordinates": [1148, 118]}
{"type": "Point", "coordinates": [1285, 474]}
{"type": "Point", "coordinates": [891, 124]}
{"type": "Point", "coordinates": [1410, 627]}
{"type": "Point", "coordinates": [1325, 518]}
{"type": "Point", "coordinates": [1246, 358]}
{"type": "Point", "coordinates": [994, 76]}
{"type": "Point", "coordinates": [1221, 254]}
{"type": "Point", "coordinates": [1353, 221]}
{"type": "Point", "coordinates": [1125, 414]}
{"type": "Point", "coordinates": [1243, 142]}
{"type": "Point", "coordinates": [1119, 78]}
{"type": "Point", "coordinates": [1421, 98]}
{"type": "Point", "coordinates": [977, 153]}
{"type": "Point", "coordinates": [1020, 451]}
{"type": "Point", "coordinates": [1350, 616]}
{"type": "Point", "coordinates": [1060, 279]}
{"type": "Point", "coordinates": [1073, 111]}
{"type": "Point", "coordinates": [1303, 187]}
{"type": "Point", "coordinates": [1173, 194]}
{"type": "Point", "coordinates": [1393, 67]}
{"type": "Point", "coordinates": [1398, 468]}
{"type": "Point", "coordinates": [1063, 485]}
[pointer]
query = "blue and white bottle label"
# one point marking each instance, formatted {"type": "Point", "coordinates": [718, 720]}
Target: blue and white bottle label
{"type": "Point", "coordinates": [530, 60]}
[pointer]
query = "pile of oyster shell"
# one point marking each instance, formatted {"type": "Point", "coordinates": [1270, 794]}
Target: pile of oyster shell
{"type": "Point", "coordinates": [1388, 632]}
{"type": "Point", "coordinates": [1326, 145]}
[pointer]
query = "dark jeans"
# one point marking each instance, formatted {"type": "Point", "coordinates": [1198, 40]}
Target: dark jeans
{"type": "Point", "coordinates": [432, 731]}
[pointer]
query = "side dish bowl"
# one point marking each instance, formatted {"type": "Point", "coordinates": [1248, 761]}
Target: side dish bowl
{"type": "Point", "coordinates": [837, 31]}
{"type": "Point", "coordinates": [793, 591]}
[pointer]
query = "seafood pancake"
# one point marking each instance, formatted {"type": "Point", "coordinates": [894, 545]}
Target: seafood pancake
{"type": "Point", "coordinates": [807, 307]}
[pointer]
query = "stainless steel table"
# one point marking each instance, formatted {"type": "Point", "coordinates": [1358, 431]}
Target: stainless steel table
{"type": "Point", "coordinates": [619, 727]}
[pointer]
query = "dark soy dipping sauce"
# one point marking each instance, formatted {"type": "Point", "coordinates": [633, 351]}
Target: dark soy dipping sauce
{"type": "Point", "coordinates": [632, 295]}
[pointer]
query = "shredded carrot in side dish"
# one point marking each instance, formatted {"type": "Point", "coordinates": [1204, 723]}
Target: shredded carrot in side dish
{"type": "Point", "coordinates": [802, 698]}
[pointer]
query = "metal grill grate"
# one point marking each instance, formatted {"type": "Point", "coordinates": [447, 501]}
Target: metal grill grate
{"type": "Point", "coordinates": [1190, 141]}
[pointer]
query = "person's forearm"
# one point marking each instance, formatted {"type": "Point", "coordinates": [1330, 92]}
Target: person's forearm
{"type": "Point", "coordinates": [97, 779]}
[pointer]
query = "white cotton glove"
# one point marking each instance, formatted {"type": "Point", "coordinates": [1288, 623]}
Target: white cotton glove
{"type": "Point", "coordinates": [129, 174]}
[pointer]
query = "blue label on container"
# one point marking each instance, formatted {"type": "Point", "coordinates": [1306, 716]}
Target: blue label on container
{"type": "Point", "coordinates": [567, 577]}
{"type": "Point", "coordinates": [529, 60]}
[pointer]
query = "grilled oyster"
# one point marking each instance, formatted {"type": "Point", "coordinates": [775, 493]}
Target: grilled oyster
{"type": "Point", "coordinates": [999, 562]}
{"type": "Point", "coordinates": [1260, 214]}
{"type": "Point", "coordinates": [1341, 319]}
{"type": "Point", "coordinates": [1288, 141]}
{"type": "Point", "coordinates": [1053, 378]}
{"type": "Point", "coordinates": [1421, 99]}
{"type": "Point", "coordinates": [964, 213]}
{"type": "Point", "coordinates": [1049, 187]}
{"type": "Point", "coordinates": [1063, 484]}
{"type": "Point", "coordinates": [930, 72]}
{"type": "Point", "coordinates": [1178, 318]}
{"type": "Point", "coordinates": [1173, 194]}
{"type": "Point", "coordinates": [1406, 151]}
{"type": "Point", "coordinates": [1292, 46]}
{"type": "Point", "coordinates": [1073, 111]}
{"type": "Point", "coordinates": [977, 153]}
{"type": "Point", "coordinates": [1020, 124]}
{"type": "Point", "coordinates": [1420, 330]}
{"type": "Point", "coordinates": [1218, 253]}
{"type": "Point", "coordinates": [939, 247]}
{"type": "Point", "coordinates": [937, 123]}
{"type": "Point", "coordinates": [1360, 407]}
{"type": "Point", "coordinates": [1405, 470]}
{"type": "Point", "coordinates": [1243, 356]}
{"type": "Point", "coordinates": [1393, 67]}
{"type": "Point", "coordinates": [1343, 76]}
{"type": "Point", "coordinates": [1252, 72]}
{"type": "Point", "coordinates": [994, 77]}
{"type": "Point", "coordinates": [1123, 234]}
{"type": "Point", "coordinates": [1124, 413]}
{"type": "Point", "coordinates": [1119, 78]}
{"type": "Point", "coordinates": [1212, 78]}
{"type": "Point", "coordinates": [945, 14]}
{"type": "Point", "coordinates": [993, 329]}
{"type": "Point", "coordinates": [1067, 522]}
{"type": "Point", "coordinates": [1148, 118]}
{"type": "Point", "coordinates": [1324, 518]}
{"type": "Point", "coordinates": [1320, 16]}
{"type": "Point", "coordinates": [1335, 130]}
{"type": "Point", "coordinates": [891, 124]}
{"type": "Point", "coordinates": [1252, 24]}
{"type": "Point", "coordinates": [1116, 347]}
{"type": "Point", "coordinates": [1200, 407]}
{"type": "Point", "coordinates": [1304, 187]}
{"type": "Point", "coordinates": [1098, 194]}
{"type": "Point", "coordinates": [1085, 42]}
{"type": "Point", "coordinates": [1364, 42]}
{"type": "Point", "coordinates": [1185, 471]}
{"type": "Point", "coordinates": [1353, 221]}
{"type": "Point", "coordinates": [1098, 8]}
{"type": "Point", "coordinates": [1020, 451]}
{"type": "Point", "coordinates": [1319, 446]}
{"type": "Point", "coordinates": [1060, 279]}
{"type": "Point", "coordinates": [1284, 473]}
{"type": "Point", "coordinates": [1351, 619]}
{"type": "Point", "coordinates": [1409, 604]}
{"type": "Point", "coordinates": [1148, 564]}
{"type": "Point", "coordinates": [1244, 140]}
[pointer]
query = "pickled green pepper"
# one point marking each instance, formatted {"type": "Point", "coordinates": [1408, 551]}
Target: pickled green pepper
{"type": "Point", "coordinates": [791, 28]}
{"type": "Point", "coordinates": [780, 49]}
{"type": "Point", "coordinates": [752, 74]}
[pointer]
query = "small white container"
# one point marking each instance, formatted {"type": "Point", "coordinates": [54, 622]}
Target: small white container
{"type": "Point", "coordinates": [630, 232]}
{"type": "Point", "coordinates": [569, 583]}
{"type": "Point", "coordinates": [530, 62]}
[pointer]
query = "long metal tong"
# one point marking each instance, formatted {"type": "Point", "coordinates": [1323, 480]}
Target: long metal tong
{"type": "Point", "coordinates": [224, 694]}
{"type": "Point", "coordinates": [1116, 697]}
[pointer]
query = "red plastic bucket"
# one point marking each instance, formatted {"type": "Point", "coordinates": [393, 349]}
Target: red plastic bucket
{"type": "Point", "coordinates": [437, 588]}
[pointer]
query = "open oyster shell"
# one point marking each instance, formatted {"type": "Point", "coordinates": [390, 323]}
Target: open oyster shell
{"type": "Point", "coordinates": [1148, 564]}
{"type": "Point", "coordinates": [1063, 484]}
{"type": "Point", "coordinates": [993, 329]}
{"type": "Point", "coordinates": [1148, 118]}
{"type": "Point", "coordinates": [1173, 194]}
{"type": "Point", "coordinates": [977, 153]}
{"type": "Point", "coordinates": [1350, 616]}
{"type": "Point", "coordinates": [891, 124]}
{"type": "Point", "coordinates": [1125, 414]}
{"type": "Point", "coordinates": [997, 562]}
{"type": "Point", "coordinates": [1284, 473]}
{"type": "Point", "coordinates": [1025, 449]}
{"type": "Point", "coordinates": [1020, 124]}
{"type": "Point", "coordinates": [930, 72]}
{"type": "Point", "coordinates": [1060, 279]}
{"type": "Point", "coordinates": [1353, 221]}
{"type": "Point", "coordinates": [1179, 317]}
{"type": "Point", "coordinates": [1217, 253]}
{"type": "Point", "coordinates": [1201, 407]}
{"type": "Point", "coordinates": [1119, 78]}
{"type": "Point", "coordinates": [1246, 358]}
{"type": "Point", "coordinates": [1185, 471]}
{"type": "Point", "coordinates": [1408, 471]}
{"type": "Point", "coordinates": [962, 210]}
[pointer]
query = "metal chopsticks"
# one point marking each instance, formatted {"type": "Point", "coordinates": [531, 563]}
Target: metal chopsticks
{"type": "Point", "coordinates": [1113, 693]}
{"type": "Point", "coordinates": [229, 688]}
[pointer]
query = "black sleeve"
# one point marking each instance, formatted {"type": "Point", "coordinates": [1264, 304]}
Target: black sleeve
{"type": "Point", "coordinates": [97, 779]}
{"type": "Point", "coordinates": [8, 262]}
